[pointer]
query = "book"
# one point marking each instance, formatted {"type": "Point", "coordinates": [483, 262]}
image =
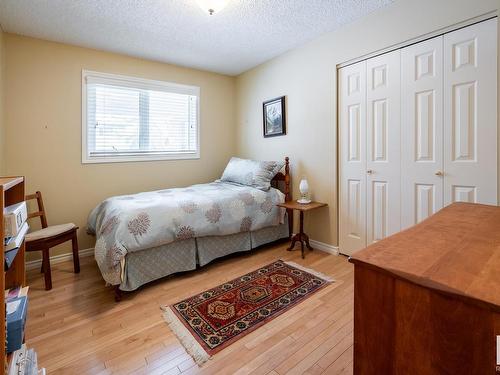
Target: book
{"type": "Point", "coordinates": [23, 291]}
{"type": "Point", "coordinates": [14, 217]}
{"type": "Point", "coordinates": [31, 363]}
{"type": "Point", "coordinates": [15, 318]}
{"type": "Point", "coordinates": [12, 293]}
{"type": "Point", "coordinates": [12, 307]}
{"type": "Point", "coordinates": [24, 362]}
{"type": "Point", "coordinates": [16, 292]}
{"type": "Point", "coordinates": [17, 364]}
{"type": "Point", "coordinates": [7, 240]}
{"type": "Point", "coordinates": [18, 239]}
{"type": "Point", "coordinates": [9, 258]}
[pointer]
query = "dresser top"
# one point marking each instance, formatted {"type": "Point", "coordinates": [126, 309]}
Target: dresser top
{"type": "Point", "coordinates": [456, 251]}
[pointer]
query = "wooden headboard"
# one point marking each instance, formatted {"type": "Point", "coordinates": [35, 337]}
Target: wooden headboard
{"type": "Point", "coordinates": [284, 180]}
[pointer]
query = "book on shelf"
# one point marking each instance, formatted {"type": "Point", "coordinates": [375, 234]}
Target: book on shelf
{"type": "Point", "coordinates": [24, 362]}
{"type": "Point", "coordinates": [12, 306]}
{"type": "Point", "coordinates": [14, 217]}
{"type": "Point", "coordinates": [9, 258]}
{"type": "Point", "coordinates": [31, 363]}
{"type": "Point", "coordinates": [15, 318]}
{"type": "Point", "coordinates": [18, 360]}
{"type": "Point", "coordinates": [12, 293]}
{"type": "Point", "coordinates": [17, 240]}
{"type": "Point", "coordinates": [16, 292]}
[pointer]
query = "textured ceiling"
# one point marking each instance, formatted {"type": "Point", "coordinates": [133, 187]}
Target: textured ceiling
{"type": "Point", "coordinates": [244, 34]}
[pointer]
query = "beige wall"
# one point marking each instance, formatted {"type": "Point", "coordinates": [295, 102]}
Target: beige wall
{"type": "Point", "coordinates": [43, 128]}
{"type": "Point", "coordinates": [307, 76]}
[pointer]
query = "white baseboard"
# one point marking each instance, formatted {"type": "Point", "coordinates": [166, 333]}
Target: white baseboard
{"type": "Point", "coordinates": [34, 264]}
{"type": "Point", "coordinates": [330, 249]}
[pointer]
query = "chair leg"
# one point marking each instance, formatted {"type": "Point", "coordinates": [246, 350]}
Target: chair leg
{"type": "Point", "coordinates": [76, 257]}
{"type": "Point", "coordinates": [46, 269]}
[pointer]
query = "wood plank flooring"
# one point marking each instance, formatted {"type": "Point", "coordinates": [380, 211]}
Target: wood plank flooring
{"type": "Point", "coordinates": [77, 328]}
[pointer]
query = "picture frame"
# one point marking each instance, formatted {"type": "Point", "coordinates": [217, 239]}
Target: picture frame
{"type": "Point", "coordinates": [274, 117]}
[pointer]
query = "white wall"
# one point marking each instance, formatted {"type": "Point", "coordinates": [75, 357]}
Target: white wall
{"type": "Point", "coordinates": [307, 76]}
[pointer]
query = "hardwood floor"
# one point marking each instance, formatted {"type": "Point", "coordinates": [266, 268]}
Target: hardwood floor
{"type": "Point", "coordinates": [77, 328]}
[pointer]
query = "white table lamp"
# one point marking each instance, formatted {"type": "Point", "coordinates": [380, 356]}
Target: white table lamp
{"type": "Point", "coordinates": [304, 191]}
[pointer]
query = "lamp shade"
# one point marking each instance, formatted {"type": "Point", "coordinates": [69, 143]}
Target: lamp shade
{"type": "Point", "coordinates": [212, 6]}
{"type": "Point", "coordinates": [304, 191]}
{"type": "Point", "coordinates": [304, 187]}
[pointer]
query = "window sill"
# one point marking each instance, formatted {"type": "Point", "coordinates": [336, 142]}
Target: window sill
{"type": "Point", "coordinates": [137, 158]}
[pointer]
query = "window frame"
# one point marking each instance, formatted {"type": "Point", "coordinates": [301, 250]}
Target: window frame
{"type": "Point", "coordinates": [137, 83]}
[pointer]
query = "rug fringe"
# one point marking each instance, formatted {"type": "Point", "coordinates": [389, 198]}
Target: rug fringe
{"type": "Point", "coordinates": [195, 350]}
{"type": "Point", "coordinates": [311, 271]}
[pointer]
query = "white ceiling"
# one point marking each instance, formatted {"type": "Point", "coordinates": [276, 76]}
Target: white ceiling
{"type": "Point", "coordinates": [243, 35]}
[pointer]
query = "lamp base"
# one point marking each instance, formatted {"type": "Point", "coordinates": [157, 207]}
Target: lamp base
{"type": "Point", "coordinates": [303, 201]}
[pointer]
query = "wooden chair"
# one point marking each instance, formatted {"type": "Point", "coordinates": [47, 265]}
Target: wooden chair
{"type": "Point", "coordinates": [49, 236]}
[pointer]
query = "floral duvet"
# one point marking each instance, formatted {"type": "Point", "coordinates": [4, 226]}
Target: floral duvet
{"type": "Point", "coordinates": [136, 222]}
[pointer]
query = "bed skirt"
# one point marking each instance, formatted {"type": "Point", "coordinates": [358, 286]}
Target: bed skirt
{"type": "Point", "coordinates": [144, 266]}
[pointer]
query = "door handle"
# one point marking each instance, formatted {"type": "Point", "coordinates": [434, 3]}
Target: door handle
{"type": "Point", "coordinates": [439, 173]}
{"type": "Point", "coordinates": [369, 171]}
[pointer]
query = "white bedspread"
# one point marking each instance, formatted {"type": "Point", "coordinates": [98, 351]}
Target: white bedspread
{"type": "Point", "coordinates": [135, 222]}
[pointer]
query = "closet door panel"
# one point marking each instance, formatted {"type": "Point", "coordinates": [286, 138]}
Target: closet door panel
{"type": "Point", "coordinates": [421, 130]}
{"type": "Point", "coordinates": [383, 146]}
{"type": "Point", "coordinates": [470, 116]}
{"type": "Point", "coordinates": [352, 153]}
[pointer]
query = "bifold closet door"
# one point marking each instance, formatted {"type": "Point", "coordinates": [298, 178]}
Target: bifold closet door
{"type": "Point", "coordinates": [421, 131]}
{"type": "Point", "coordinates": [383, 146]}
{"type": "Point", "coordinates": [352, 154]}
{"type": "Point", "coordinates": [470, 114]}
{"type": "Point", "coordinates": [418, 131]}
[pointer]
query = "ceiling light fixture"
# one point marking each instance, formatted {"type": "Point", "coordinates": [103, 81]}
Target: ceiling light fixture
{"type": "Point", "coordinates": [212, 6]}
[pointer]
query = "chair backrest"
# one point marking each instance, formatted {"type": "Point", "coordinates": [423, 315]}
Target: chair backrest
{"type": "Point", "coordinates": [41, 210]}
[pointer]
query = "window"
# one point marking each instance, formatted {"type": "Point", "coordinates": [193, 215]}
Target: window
{"type": "Point", "coordinates": [131, 119]}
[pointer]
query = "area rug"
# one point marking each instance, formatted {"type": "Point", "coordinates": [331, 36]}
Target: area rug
{"type": "Point", "coordinates": [210, 321]}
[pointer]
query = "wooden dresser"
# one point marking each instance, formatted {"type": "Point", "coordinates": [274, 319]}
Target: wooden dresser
{"type": "Point", "coordinates": [427, 300]}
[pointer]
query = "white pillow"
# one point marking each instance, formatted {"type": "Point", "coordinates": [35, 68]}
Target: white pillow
{"type": "Point", "coordinates": [257, 174]}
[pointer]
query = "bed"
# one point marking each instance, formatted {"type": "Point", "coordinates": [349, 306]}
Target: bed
{"type": "Point", "coordinates": [147, 236]}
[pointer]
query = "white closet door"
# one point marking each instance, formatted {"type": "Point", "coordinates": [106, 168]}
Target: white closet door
{"type": "Point", "coordinates": [352, 129]}
{"type": "Point", "coordinates": [470, 115]}
{"type": "Point", "coordinates": [421, 130]}
{"type": "Point", "coordinates": [383, 166]}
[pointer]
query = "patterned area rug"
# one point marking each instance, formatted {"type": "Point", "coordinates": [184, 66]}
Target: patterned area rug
{"type": "Point", "coordinates": [210, 321]}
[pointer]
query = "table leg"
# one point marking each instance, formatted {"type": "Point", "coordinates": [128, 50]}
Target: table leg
{"type": "Point", "coordinates": [306, 239]}
{"type": "Point", "coordinates": [301, 223]}
{"type": "Point", "coordinates": [301, 237]}
{"type": "Point", "coordinates": [301, 233]}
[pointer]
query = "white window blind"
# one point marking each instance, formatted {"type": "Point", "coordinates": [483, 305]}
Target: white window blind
{"type": "Point", "coordinates": [129, 119]}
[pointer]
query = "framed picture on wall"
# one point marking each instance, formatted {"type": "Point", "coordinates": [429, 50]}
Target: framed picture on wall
{"type": "Point", "coordinates": [274, 117]}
